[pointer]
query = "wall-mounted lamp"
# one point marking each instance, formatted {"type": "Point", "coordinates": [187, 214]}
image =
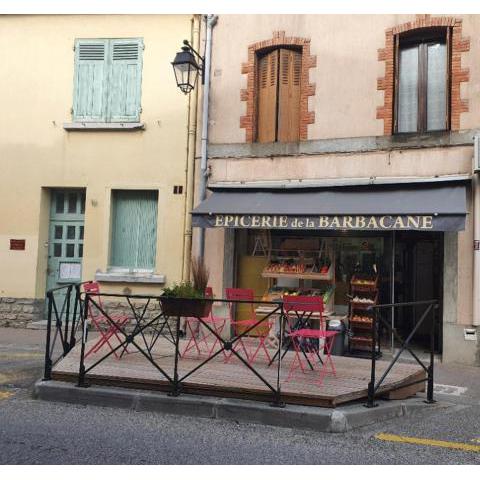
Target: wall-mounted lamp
{"type": "Point", "coordinates": [186, 67]}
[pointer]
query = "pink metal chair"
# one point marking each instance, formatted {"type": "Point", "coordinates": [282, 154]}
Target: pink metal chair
{"type": "Point", "coordinates": [104, 327]}
{"type": "Point", "coordinates": [307, 341]}
{"type": "Point", "coordinates": [248, 295]}
{"type": "Point", "coordinates": [215, 323]}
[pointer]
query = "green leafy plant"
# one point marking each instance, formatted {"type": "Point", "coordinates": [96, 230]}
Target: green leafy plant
{"type": "Point", "coordinates": [183, 290]}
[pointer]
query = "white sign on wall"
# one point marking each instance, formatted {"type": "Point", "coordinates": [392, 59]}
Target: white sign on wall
{"type": "Point", "coordinates": [70, 271]}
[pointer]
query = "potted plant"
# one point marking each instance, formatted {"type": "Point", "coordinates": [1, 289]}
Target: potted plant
{"type": "Point", "coordinates": [187, 299]}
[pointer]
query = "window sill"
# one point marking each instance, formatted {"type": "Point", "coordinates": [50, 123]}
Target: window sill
{"type": "Point", "coordinates": [425, 134]}
{"type": "Point", "coordinates": [123, 277]}
{"type": "Point", "coordinates": [448, 138]}
{"type": "Point", "coordinates": [75, 126]}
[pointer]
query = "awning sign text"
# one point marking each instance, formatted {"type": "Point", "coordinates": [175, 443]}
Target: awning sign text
{"type": "Point", "coordinates": [325, 222]}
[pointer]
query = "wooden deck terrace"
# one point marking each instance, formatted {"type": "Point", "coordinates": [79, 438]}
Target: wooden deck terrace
{"type": "Point", "coordinates": [233, 379]}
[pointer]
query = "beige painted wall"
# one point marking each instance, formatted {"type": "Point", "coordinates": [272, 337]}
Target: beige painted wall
{"type": "Point", "coordinates": [413, 162]}
{"type": "Point", "coordinates": [36, 152]}
{"type": "Point", "coordinates": [345, 76]}
{"type": "Point", "coordinates": [465, 268]}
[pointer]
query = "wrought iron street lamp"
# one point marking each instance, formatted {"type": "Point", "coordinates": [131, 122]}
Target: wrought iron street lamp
{"type": "Point", "coordinates": [186, 67]}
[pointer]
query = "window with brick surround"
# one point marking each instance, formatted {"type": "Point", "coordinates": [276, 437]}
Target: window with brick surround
{"type": "Point", "coordinates": [422, 81]}
{"type": "Point", "coordinates": [457, 46]}
{"type": "Point", "coordinates": [249, 95]}
{"type": "Point", "coordinates": [278, 95]}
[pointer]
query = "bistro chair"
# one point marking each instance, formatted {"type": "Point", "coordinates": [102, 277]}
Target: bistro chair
{"type": "Point", "coordinates": [247, 295]}
{"type": "Point", "coordinates": [198, 336]}
{"type": "Point", "coordinates": [302, 312]}
{"type": "Point", "coordinates": [105, 328]}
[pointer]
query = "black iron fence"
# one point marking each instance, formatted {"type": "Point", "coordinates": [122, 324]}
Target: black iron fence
{"type": "Point", "coordinates": [149, 316]}
{"type": "Point", "coordinates": [431, 306]}
{"type": "Point", "coordinates": [143, 319]}
{"type": "Point", "coordinates": [64, 315]}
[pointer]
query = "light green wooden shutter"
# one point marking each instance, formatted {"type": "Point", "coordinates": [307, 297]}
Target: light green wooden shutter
{"type": "Point", "coordinates": [134, 229]}
{"type": "Point", "coordinates": [124, 90]}
{"type": "Point", "coordinates": [89, 104]}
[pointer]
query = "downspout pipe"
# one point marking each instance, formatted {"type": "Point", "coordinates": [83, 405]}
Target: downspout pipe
{"type": "Point", "coordinates": [190, 167]}
{"type": "Point", "coordinates": [476, 235]}
{"type": "Point", "coordinates": [211, 20]}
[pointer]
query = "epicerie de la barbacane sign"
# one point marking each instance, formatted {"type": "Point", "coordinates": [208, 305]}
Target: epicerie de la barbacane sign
{"type": "Point", "coordinates": [331, 222]}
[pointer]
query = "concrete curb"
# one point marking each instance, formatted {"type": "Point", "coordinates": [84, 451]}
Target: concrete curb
{"type": "Point", "coordinates": [338, 420]}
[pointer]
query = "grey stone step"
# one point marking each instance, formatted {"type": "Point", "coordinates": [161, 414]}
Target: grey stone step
{"type": "Point", "coordinates": [335, 420]}
{"type": "Point", "coordinates": [38, 325]}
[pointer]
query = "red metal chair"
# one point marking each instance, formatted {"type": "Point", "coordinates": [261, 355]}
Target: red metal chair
{"type": "Point", "coordinates": [105, 328]}
{"type": "Point", "coordinates": [307, 341]}
{"type": "Point", "coordinates": [247, 294]}
{"type": "Point", "coordinates": [192, 325]}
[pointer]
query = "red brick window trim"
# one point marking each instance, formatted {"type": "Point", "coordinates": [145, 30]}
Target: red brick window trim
{"type": "Point", "coordinates": [458, 74]}
{"type": "Point", "coordinates": [307, 89]}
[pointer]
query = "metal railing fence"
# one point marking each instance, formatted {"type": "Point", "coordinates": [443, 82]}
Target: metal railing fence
{"type": "Point", "coordinates": [69, 312]}
{"type": "Point", "coordinates": [64, 314]}
{"type": "Point", "coordinates": [374, 385]}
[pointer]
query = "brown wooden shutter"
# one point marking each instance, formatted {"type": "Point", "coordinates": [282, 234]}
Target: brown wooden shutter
{"type": "Point", "coordinates": [289, 96]}
{"type": "Point", "coordinates": [267, 97]}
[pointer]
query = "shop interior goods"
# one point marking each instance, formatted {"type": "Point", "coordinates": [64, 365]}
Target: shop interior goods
{"type": "Point", "coordinates": [363, 294]}
{"type": "Point", "coordinates": [304, 263]}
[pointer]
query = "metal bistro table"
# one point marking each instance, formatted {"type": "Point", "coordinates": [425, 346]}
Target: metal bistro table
{"type": "Point", "coordinates": [303, 320]}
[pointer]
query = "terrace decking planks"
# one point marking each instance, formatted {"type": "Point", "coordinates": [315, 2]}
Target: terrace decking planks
{"type": "Point", "coordinates": [234, 379]}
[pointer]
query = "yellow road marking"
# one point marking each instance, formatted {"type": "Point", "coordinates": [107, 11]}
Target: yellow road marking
{"type": "Point", "coordinates": [12, 376]}
{"type": "Point", "coordinates": [430, 442]}
{"type": "Point", "coordinates": [21, 355]}
{"type": "Point", "coordinates": [5, 395]}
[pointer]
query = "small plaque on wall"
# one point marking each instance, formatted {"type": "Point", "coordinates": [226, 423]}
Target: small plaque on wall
{"type": "Point", "coordinates": [16, 244]}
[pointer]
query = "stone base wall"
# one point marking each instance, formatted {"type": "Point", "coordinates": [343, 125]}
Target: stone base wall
{"type": "Point", "coordinates": [18, 312]}
{"type": "Point", "coordinates": [121, 308]}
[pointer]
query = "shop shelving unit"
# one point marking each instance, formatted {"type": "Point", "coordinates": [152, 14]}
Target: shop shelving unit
{"type": "Point", "coordinates": [302, 265]}
{"type": "Point", "coordinates": [363, 294]}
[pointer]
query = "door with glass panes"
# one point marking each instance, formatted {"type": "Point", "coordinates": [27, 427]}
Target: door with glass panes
{"type": "Point", "coordinates": [65, 245]}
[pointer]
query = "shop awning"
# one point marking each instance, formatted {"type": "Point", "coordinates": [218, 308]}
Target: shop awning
{"type": "Point", "coordinates": [435, 207]}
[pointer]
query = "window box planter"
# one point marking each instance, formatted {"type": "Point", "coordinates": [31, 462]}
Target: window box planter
{"type": "Point", "coordinates": [186, 307]}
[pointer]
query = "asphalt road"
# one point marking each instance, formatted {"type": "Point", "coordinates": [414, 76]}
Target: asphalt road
{"type": "Point", "coordinates": [36, 432]}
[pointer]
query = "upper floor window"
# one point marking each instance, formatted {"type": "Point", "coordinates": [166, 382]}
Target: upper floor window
{"type": "Point", "coordinates": [422, 81]}
{"type": "Point", "coordinates": [107, 84]}
{"type": "Point", "coordinates": [278, 95]}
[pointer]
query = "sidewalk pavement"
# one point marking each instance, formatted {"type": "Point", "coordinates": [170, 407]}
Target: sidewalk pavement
{"type": "Point", "coordinates": [21, 357]}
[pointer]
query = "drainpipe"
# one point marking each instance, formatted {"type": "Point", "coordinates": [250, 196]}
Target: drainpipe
{"type": "Point", "coordinates": [190, 167]}
{"type": "Point", "coordinates": [211, 20]}
{"type": "Point", "coordinates": [476, 236]}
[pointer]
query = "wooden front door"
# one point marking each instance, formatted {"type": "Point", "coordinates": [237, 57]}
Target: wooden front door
{"type": "Point", "coordinates": [65, 245]}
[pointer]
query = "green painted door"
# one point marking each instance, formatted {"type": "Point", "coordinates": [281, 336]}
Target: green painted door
{"type": "Point", "coordinates": [65, 245]}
